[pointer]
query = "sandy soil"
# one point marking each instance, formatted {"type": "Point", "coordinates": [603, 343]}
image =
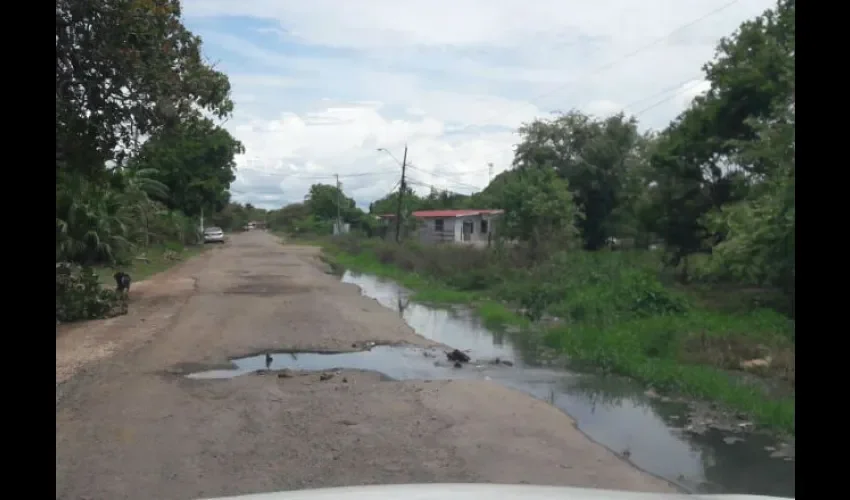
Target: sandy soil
{"type": "Point", "coordinates": [130, 425]}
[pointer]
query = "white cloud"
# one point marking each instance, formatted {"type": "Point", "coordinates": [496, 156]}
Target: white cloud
{"type": "Point", "coordinates": [320, 85]}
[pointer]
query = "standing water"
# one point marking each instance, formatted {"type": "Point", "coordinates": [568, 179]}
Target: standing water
{"type": "Point", "coordinates": [617, 413]}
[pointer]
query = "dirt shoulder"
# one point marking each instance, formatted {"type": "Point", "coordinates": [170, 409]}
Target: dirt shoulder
{"type": "Point", "coordinates": [129, 425]}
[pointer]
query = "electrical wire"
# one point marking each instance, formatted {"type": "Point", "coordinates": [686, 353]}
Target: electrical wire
{"type": "Point", "coordinates": [461, 184]}
{"type": "Point", "coordinates": [662, 101]}
{"type": "Point", "coordinates": [593, 72]}
{"type": "Point", "coordinates": [674, 88]}
{"type": "Point", "coordinates": [437, 188]}
{"type": "Point", "coordinates": [629, 55]}
{"type": "Point", "coordinates": [343, 176]}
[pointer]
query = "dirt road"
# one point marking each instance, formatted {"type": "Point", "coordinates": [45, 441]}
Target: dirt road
{"type": "Point", "coordinates": [130, 425]}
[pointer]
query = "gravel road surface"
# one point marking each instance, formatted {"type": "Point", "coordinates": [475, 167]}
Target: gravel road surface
{"type": "Point", "coordinates": [130, 425]}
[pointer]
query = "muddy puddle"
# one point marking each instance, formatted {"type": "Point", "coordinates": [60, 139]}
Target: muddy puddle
{"type": "Point", "coordinates": [666, 438]}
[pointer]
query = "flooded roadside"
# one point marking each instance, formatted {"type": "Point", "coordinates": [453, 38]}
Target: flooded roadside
{"type": "Point", "coordinates": [656, 434]}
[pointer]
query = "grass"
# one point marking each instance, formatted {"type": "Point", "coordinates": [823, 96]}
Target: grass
{"type": "Point", "coordinates": [617, 311]}
{"type": "Point", "coordinates": [158, 258]}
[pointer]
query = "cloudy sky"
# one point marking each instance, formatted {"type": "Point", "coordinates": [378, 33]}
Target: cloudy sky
{"type": "Point", "coordinates": [320, 85]}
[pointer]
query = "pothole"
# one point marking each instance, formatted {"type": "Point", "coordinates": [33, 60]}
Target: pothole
{"type": "Point", "coordinates": [394, 362]}
{"type": "Point", "coordinates": [267, 289]}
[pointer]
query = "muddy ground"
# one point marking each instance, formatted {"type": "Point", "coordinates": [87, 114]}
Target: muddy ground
{"type": "Point", "coordinates": [130, 425]}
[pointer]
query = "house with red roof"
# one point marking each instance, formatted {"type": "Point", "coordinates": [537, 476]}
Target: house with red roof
{"type": "Point", "coordinates": [470, 227]}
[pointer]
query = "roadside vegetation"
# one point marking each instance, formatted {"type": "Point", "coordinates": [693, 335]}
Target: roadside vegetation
{"type": "Point", "coordinates": [667, 256]}
{"type": "Point", "coordinates": [140, 155]}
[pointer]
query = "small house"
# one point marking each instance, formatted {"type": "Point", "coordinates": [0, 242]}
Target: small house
{"type": "Point", "coordinates": [470, 227]}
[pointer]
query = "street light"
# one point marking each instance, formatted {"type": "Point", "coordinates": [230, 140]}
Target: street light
{"type": "Point", "coordinates": [392, 155]}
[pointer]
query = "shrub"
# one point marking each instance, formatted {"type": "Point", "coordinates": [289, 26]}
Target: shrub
{"type": "Point", "coordinates": [79, 295]}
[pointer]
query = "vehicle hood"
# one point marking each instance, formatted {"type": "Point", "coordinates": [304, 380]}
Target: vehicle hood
{"type": "Point", "coordinates": [476, 492]}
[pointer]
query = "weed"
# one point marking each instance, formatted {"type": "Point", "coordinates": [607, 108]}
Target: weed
{"type": "Point", "coordinates": [79, 295]}
{"type": "Point", "coordinates": [619, 311]}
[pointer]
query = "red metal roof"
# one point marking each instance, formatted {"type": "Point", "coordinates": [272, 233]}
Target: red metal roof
{"type": "Point", "coordinates": [453, 213]}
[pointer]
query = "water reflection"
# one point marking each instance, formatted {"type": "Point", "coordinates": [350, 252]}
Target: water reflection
{"type": "Point", "coordinates": [614, 412]}
{"type": "Point", "coordinates": [459, 328]}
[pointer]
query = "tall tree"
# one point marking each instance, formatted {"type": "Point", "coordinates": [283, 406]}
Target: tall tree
{"type": "Point", "coordinates": [124, 69]}
{"type": "Point", "coordinates": [760, 231]}
{"type": "Point", "coordinates": [539, 209]}
{"type": "Point", "coordinates": [323, 199]}
{"type": "Point", "coordinates": [697, 163]}
{"type": "Point", "coordinates": [195, 160]}
{"type": "Point", "coordinates": [592, 155]}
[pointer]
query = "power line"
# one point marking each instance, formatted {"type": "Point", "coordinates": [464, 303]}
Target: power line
{"type": "Point", "coordinates": [665, 90]}
{"type": "Point", "coordinates": [392, 190]}
{"type": "Point", "coordinates": [460, 174]}
{"type": "Point", "coordinates": [470, 186]}
{"type": "Point", "coordinates": [615, 62]}
{"type": "Point", "coordinates": [342, 176]}
{"type": "Point", "coordinates": [594, 72]}
{"type": "Point", "coordinates": [638, 50]}
{"type": "Point", "coordinates": [662, 101]}
{"type": "Point", "coordinates": [438, 188]}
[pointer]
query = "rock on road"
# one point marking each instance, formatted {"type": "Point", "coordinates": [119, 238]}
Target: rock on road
{"type": "Point", "coordinates": [130, 425]}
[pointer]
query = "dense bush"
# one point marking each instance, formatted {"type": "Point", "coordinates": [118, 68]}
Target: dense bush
{"type": "Point", "coordinates": [79, 295]}
{"type": "Point", "coordinates": [576, 286]}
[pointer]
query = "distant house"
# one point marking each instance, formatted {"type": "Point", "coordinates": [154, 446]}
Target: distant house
{"type": "Point", "coordinates": [385, 218]}
{"type": "Point", "coordinates": [343, 228]}
{"type": "Point", "coordinates": [469, 227]}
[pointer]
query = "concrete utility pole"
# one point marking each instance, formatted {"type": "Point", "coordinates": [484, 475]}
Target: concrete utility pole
{"type": "Point", "coordinates": [400, 197]}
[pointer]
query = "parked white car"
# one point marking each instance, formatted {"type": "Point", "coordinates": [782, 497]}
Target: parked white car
{"type": "Point", "coordinates": [213, 235]}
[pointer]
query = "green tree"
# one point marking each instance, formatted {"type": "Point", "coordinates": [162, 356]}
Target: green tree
{"type": "Point", "coordinates": [760, 231]}
{"type": "Point", "coordinates": [92, 222]}
{"type": "Point", "coordinates": [389, 203]}
{"type": "Point", "coordinates": [236, 216]}
{"type": "Point", "coordinates": [698, 163]}
{"type": "Point", "coordinates": [195, 160]}
{"type": "Point", "coordinates": [323, 199]}
{"type": "Point", "coordinates": [593, 156]}
{"type": "Point", "coordinates": [289, 218]}
{"type": "Point", "coordinates": [445, 200]}
{"type": "Point", "coordinates": [633, 218]}
{"type": "Point", "coordinates": [539, 209]}
{"type": "Point", "coordinates": [125, 68]}
{"type": "Point", "coordinates": [141, 191]}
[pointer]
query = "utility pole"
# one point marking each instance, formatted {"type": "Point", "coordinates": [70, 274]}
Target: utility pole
{"type": "Point", "coordinates": [338, 218]}
{"type": "Point", "coordinates": [400, 197]}
{"type": "Point", "coordinates": [490, 173]}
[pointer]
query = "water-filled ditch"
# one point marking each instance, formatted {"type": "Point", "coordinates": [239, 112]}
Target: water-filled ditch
{"type": "Point", "coordinates": [698, 451]}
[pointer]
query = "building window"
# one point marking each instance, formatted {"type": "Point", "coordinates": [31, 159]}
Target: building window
{"type": "Point", "coordinates": [484, 227]}
{"type": "Point", "coordinates": [438, 224]}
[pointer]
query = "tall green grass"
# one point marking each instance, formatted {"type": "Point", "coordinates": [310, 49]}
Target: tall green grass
{"type": "Point", "coordinates": [614, 310]}
{"type": "Point", "coordinates": [156, 258]}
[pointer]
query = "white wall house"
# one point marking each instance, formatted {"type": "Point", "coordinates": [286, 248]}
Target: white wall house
{"type": "Point", "coordinates": [470, 227]}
